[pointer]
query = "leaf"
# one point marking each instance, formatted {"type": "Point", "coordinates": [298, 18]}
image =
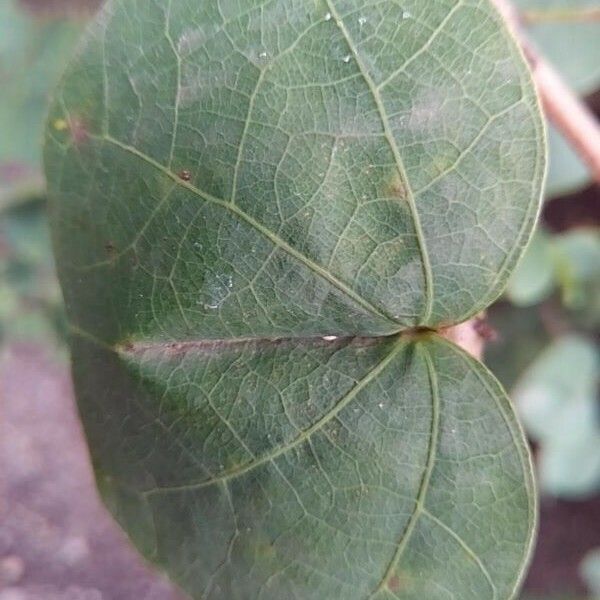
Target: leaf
{"type": "Point", "coordinates": [567, 171]}
{"type": "Point", "coordinates": [522, 335]}
{"type": "Point", "coordinates": [590, 571]}
{"type": "Point", "coordinates": [347, 469]}
{"type": "Point", "coordinates": [30, 306]}
{"type": "Point", "coordinates": [232, 190]}
{"type": "Point", "coordinates": [569, 39]}
{"type": "Point", "coordinates": [569, 261]}
{"type": "Point", "coordinates": [534, 279]}
{"type": "Point", "coordinates": [578, 271]}
{"type": "Point", "coordinates": [556, 398]}
{"type": "Point", "coordinates": [33, 52]}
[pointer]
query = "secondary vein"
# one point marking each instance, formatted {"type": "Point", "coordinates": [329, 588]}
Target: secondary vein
{"type": "Point", "coordinates": [427, 270]}
{"type": "Point", "coordinates": [302, 437]}
{"type": "Point", "coordinates": [424, 487]}
{"type": "Point", "coordinates": [275, 239]}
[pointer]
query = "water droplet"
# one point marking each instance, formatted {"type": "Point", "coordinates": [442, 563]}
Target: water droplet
{"type": "Point", "coordinates": [328, 16]}
{"type": "Point", "coordinates": [347, 58]}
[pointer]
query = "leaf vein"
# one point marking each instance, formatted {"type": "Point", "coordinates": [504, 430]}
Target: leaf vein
{"type": "Point", "coordinates": [275, 239]}
{"type": "Point", "coordinates": [301, 438]}
{"type": "Point", "coordinates": [426, 264]}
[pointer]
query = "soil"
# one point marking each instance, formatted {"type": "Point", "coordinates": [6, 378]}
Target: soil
{"type": "Point", "coordinates": [57, 542]}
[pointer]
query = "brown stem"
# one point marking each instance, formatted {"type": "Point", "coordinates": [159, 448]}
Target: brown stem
{"type": "Point", "coordinates": [570, 116]}
{"type": "Point", "coordinates": [471, 335]}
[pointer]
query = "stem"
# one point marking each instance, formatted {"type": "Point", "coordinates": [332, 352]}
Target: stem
{"type": "Point", "coordinates": [471, 335]}
{"type": "Point", "coordinates": [574, 120]}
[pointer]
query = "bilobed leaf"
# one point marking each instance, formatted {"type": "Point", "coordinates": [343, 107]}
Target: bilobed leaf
{"type": "Point", "coordinates": [254, 207]}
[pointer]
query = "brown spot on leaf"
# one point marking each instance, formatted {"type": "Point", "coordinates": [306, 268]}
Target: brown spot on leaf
{"type": "Point", "coordinates": [396, 188]}
{"type": "Point", "coordinates": [111, 249]}
{"type": "Point", "coordinates": [394, 583]}
{"type": "Point", "coordinates": [185, 175]}
{"type": "Point", "coordinates": [79, 133]}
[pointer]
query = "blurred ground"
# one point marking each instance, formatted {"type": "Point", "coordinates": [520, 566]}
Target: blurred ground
{"type": "Point", "coordinates": [56, 540]}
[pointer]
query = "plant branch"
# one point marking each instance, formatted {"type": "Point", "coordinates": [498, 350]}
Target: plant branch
{"type": "Point", "coordinates": [571, 117]}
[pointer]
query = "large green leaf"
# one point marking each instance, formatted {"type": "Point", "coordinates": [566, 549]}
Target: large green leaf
{"type": "Point", "coordinates": [233, 188]}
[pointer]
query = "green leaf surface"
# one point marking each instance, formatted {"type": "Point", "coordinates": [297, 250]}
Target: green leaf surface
{"type": "Point", "coordinates": [33, 53]}
{"type": "Point", "coordinates": [250, 204]}
{"type": "Point", "coordinates": [347, 469]}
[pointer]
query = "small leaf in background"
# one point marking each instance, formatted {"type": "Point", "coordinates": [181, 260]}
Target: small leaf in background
{"type": "Point", "coordinates": [569, 262]}
{"type": "Point", "coordinates": [590, 571]}
{"type": "Point", "coordinates": [534, 278]}
{"type": "Point", "coordinates": [567, 171]}
{"type": "Point", "coordinates": [33, 53]}
{"type": "Point", "coordinates": [521, 337]}
{"type": "Point", "coordinates": [578, 272]}
{"type": "Point", "coordinates": [557, 400]}
{"type": "Point", "coordinates": [30, 299]}
{"type": "Point", "coordinates": [567, 33]}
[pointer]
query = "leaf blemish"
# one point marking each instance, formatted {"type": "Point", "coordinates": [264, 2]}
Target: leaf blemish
{"type": "Point", "coordinates": [185, 175]}
{"type": "Point", "coordinates": [394, 583]}
{"type": "Point", "coordinates": [78, 131]}
{"type": "Point", "coordinates": [395, 188]}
